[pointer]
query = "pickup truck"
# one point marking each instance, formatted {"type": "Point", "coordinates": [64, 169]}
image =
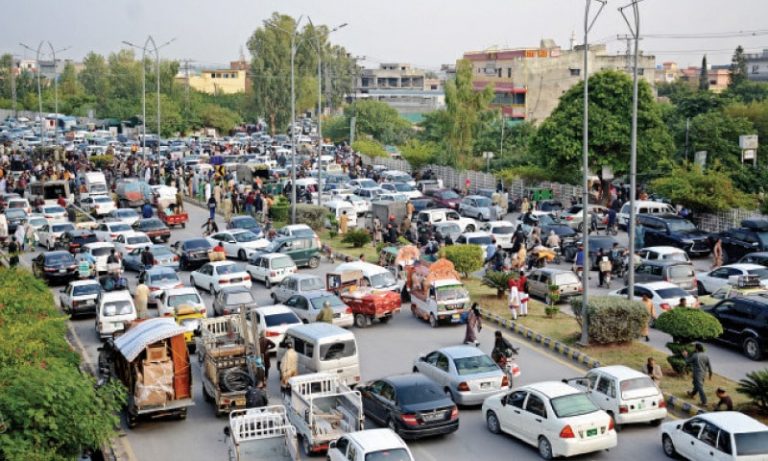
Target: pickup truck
{"type": "Point", "coordinates": [436, 215]}
{"type": "Point", "coordinates": [367, 304]}
{"type": "Point", "coordinates": [437, 294]}
{"type": "Point", "coordinates": [261, 434]}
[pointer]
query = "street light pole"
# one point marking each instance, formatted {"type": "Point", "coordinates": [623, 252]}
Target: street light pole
{"type": "Point", "coordinates": [39, 86]}
{"type": "Point", "coordinates": [586, 222]}
{"type": "Point", "coordinates": [293, 123]}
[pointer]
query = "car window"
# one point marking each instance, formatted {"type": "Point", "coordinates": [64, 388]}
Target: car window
{"type": "Point", "coordinates": [709, 435]}
{"type": "Point", "coordinates": [342, 444]}
{"type": "Point", "coordinates": [693, 427]}
{"type": "Point", "coordinates": [536, 406]}
{"type": "Point", "coordinates": [516, 399]}
{"type": "Point", "coordinates": [751, 443]}
{"type": "Point", "coordinates": [606, 386]}
{"type": "Point", "coordinates": [441, 362]}
{"type": "Point", "coordinates": [724, 442]}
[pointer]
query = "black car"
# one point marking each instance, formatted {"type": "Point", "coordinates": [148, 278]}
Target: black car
{"type": "Point", "coordinates": [55, 267]}
{"type": "Point", "coordinates": [411, 405]}
{"type": "Point", "coordinates": [564, 231]}
{"type": "Point", "coordinates": [745, 323]}
{"type": "Point", "coordinates": [15, 217]}
{"type": "Point", "coordinates": [752, 236]}
{"type": "Point", "coordinates": [596, 242]}
{"type": "Point", "coordinates": [230, 299]}
{"type": "Point", "coordinates": [552, 206]}
{"type": "Point", "coordinates": [422, 203]}
{"type": "Point", "coordinates": [760, 257]}
{"type": "Point", "coordinates": [245, 222]}
{"type": "Point", "coordinates": [74, 240]}
{"type": "Point", "coordinates": [675, 231]}
{"type": "Point", "coordinates": [192, 253]}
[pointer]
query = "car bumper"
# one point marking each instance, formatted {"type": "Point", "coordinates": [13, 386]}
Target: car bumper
{"type": "Point", "coordinates": [245, 283]}
{"type": "Point", "coordinates": [643, 416]}
{"type": "Point", "coordinates": [476, 397]}
{"type": "Point", "coordinates": [82, 309]}
{"type": "Point", "coordinates": [573, 447]}
{"type": "Point", "coordinates": [431, 431]}
{"type": "Point", "coordinates": [344, 321]}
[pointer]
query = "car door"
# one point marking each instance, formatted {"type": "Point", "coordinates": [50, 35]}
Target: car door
{"type": "Point", "coordinates": [229, 244]}
{"type": "Point", "coordinates": [510, 417]}
{"type": "Point", "coordinates": [604, 393]}
{"type": "Point", "coordinates": [707, 447]}
{"type": "Point", "coordinates": [281, 291]}
{"type": "Point", "coordinates": [718, 278]}
{"type": "Point", "coordinates": [440, 371]}
{"type": "Point", "coordinates": [298, 304]}
{"type": "Point", "coordinates": [372, 401]}
{"type": "Point", "coordinates": [256, 268]}
{"type": "Point", "coordinates": [734, 316]}
{"type": "Point", "coordinates": [66, 297]}
{"type": "Point", "coordinates": [339, 451]}
{"type": "Point", "coordinates": [44, 235]}
{"type": "Point", "coordinates": [203, 276]}
{"type": "Point", "coordinates": [534, 417]}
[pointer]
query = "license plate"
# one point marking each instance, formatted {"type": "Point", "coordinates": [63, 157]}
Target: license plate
{"type": "Point", "coordinates": [62, 271]}
{"type": "Point", "coordinates": [456, 316]}
{"type": "Point", "coordinates": [485, 385]}
{"type": "Point", "coordinates": [337, 316]}
{"type": "Point", "coordinates": [431, 417]}
{"type": "Point", "coordinates": [591, 432]}
{"type": "Point", "coordinates": [235, 280]}
{"type": "Point", "coordinates": [640, 406]}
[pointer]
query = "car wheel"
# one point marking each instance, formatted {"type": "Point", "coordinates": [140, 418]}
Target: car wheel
{"type": "Point", "coordinates": [267, 283]}
{"type": "Point", "coordinates": [415, 370]}
{"type": "Point", "coordinates": [314, 262]}
{"type": "Point", "coordinates": [392, 426]}
{"type": "Point", "coordinates": [361, 321]}
{"type": "Point", "coordinates": [492, 421]}
{"type": "Point", "coordinates": [545, 448]}
{"type": "Point", "coordinates": [616, 425]}
{"type": "Point", "coordinates": [668, 446]}
{"type": "Point", "coordinates": [432, 321]}
{"type": "Point", "coordinates": [751, 348]}
{"type": "Point", "coordinates": [470, 228]}
{"type": "Point", "coordinates": [241, 255]}
{"type": "Point", "coordinates": [700, 289]}
{"type": "Point", "coordinates": [657, 422]}
{"type": "Point", "coordinates": [306, 447]}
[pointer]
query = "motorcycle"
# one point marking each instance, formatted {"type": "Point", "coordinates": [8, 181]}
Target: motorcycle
{"type": "Point", "coordinates": [509, 366]}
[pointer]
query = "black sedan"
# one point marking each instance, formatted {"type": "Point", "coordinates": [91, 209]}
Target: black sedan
{"type": "Point", "coordinates": [245, 222]}
{"type": "Point", "coordinates": [55, 267]}
{"type": "Point", "coordinates": [15, 217]}
{"type": "Point", "coordinates": [192, 253]}
{"type": "Point", "coordinates": [74, 240]}
{"type": "Point", "coordinates": [411, 405]}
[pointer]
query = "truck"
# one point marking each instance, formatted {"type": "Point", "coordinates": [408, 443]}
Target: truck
{"type": "Point", "coordinates": [437, 294]}
{"type": "Point", "coordinates": [386, 209]}
{"type": "Point", "coordinates": [367, 304]}
{"type": "Point", "coordinates": [322, 409]}
{"type": "Point", "coordinates": [152, 362]}
{"type": "Point", "coordinates": [261, 434]}
{"type": "Point", "coordinates": [95, 184]}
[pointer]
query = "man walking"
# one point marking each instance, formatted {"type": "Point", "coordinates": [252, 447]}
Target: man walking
{"type": "Point", "coordinates": [700, 365]}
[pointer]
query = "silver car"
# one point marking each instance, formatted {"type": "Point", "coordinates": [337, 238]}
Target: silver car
{"type": "Point", "coordinates": [539, 281]}
{"type": "Point", "coordinates": [159, 279]}
{"type": "Point", "coordinates": [478, 207]}
{"type": "Point", "coordinates": [296, 284]}
{"type": "Point", "coordinates": [465, 373]}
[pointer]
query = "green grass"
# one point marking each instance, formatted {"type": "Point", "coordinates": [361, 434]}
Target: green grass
{"type": "Point", "coordinates": [369, 251]}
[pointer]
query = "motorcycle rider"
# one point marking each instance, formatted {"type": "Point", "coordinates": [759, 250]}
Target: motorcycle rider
{"type": "Point", "coordinates": [502, 349]}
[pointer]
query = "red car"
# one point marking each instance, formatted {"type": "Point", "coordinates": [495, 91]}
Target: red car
{"type": "Point", "coordinates": [445, 198]}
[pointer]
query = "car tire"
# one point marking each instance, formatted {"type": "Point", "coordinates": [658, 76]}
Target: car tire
{"type": "Point", "coordinates": [267, 283]}
{"type": "Point", "coordinates": [668, 446]}
{"type": "Point", "coordinates": [470, 228]}
{"type": "Point", "coordinates": [616, 426]}
{"type": "Point", "coordinates": [314, 262]}
{"type": "Point", "coordinates": [432, 321]}
{"type": "Point", "coordinates": [657, 422]}
{"type": "Point", "coordinates": [492, 422]}
{"type": "Point", "coordinates": [545, 448]}
{"type": "Point", "coordinates": [700, 289]}
{"type": "Point", "coordinates": [241, 255]}
{"type": "Point", "coordinates": [274, 297]}
{"type": "Point", "coordinates": [305, 447]}
{"type": "Point", "coordinates": [751, 348]}
{"type": "Point", "coordinates": [361, 321]}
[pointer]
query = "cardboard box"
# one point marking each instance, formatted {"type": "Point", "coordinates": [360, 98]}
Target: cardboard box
{"type": "Point", "coordinates": [157, 353]}
{"type": "Point", "coordinates": [158, 373]}
{"type": "Point", "coordinates": [150, 395]}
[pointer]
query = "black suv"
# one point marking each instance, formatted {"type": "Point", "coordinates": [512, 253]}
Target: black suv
{"type": "Point", "coordinates": [675, 231]}
{"type": "Point", "coordinates": [745, 323]}
{"type": "Point", "coordinates": [752, 236]}
{"type": "Point", "coordinates": [192, 253]}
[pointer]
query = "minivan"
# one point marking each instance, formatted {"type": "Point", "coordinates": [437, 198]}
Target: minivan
{"type": "Point", "coordinates": [305, 251]}
{"type": "Point", "coordinates": [323, 348]}
{"type": "Point", "coordinates": [680, 273]}
{"type": "Point", "coordinates": [375, 276]}
{"type": "Point", "coordinates": [644, 207]}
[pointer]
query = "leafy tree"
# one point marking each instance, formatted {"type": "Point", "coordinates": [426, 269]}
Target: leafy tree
{"type": "Point", "coordinates": [464, 106]}
{"type": "Point", "coordinates": [369, 147]}
{"type": "Point", "coordinates": [755, 386]}
{"type": "Point", "coordinates": [738, 68]}
{"type": "Point", "coordinates": [336, 128]}
{"type": "Point", "coordinates": [718, 135]}
{"type": "Point", "coordinates": [700, 191]}
{"type": "Point", "coordinates": [419, 153]}
{"type": "Point", "coordinates": [220, 118]}
{"type": "Point", "coordinates": [465, 258]}
{"type": "Point", "coordinates": [380, 120]}
{"type": "Point", "coordinates": [747, 92]}
{"type": "Point", "coordinates": [757, 113]}
{"type": "Point", "coordinates": [558, 140]}
{"type": "Point", "coordinates": [704, 75]}
{"type": "Point", "coordinates": [95, 78]}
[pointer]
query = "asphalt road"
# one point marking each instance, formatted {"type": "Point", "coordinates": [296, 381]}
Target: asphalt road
{"type": "Point", "coordinates": [384, 350]}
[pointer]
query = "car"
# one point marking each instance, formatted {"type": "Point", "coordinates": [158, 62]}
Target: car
{"type": "Point", "coordinates": [115, 310]}
{"type": "Point", "coordinates": [171, 299]}
{"type": "Point", "coordinates": [238, 243]}
{"type": "Point", "coordinates": [126, 215]}
{"type": "Point", "coordinates": [99, 251]}
{"type": "Point", "coordinates": [574, 217]}
{"type": "Point", "coordinates": [305, 251]}
{"type": "Point", "coordinates": [37, 221]}
{"type": "Point", "coordinates": [398, 177]}
{"type": "Point", "coordinates": [192, 253]}
{"type": "Point", "coordinates": [482, 239]}
{"type": "Point", "coordinates": [274, 321]}
{"type": "Point", "coordinates": [75, 240]}
{"type": "Point", "coordinates": [308, 305]}
{"type": "Point", "coordinates": [231, 299]}
{"type": "Point", "coordinates": [676, 231]}
{"type": "Point", "coordinates": [422, 203]}
{"type": "Point", "coordinates": [502, 231]}
{"type": "Point", "coordinates": [752, 236]}
{"type": "Point", "coordinates": [447, 229]}
{"type": "Point", "coordinates": [479, 207]}
{"type": "Point", "coordinates": [48, 236]}
{"type": "Point", "coordinates": [212, 276]}
{"type": "Point", "coordinates": [551, 206]}
{"type": "Point", "coordinates": [739, 286]}
{"type": "Point", "coordinates": [158, 279]}
{"type": "Point", "coordinates": [98, 205]}
{"type": "Point", "coordinates": [444, 198]}
{"type": "Point", "coordinates": [163, 257]}
{"type": "Point", "coordinates": [369, 445]}
{"type": "Point", "coordinates": [390, 197]}
{"type": "Point", "coordinates": [53, 213]}
{"type": "Point", "coordinates": [745, 323]}
{"type": "Point", "coordinates": [596, 243]}
{"type": "Point", "coordinates": [465, 373]}
{"type": "Point", "coordinates": [361, 205]}
{"type": "Point", "coordinates": [680, 273]}
{"type": "Point", "coordinates": [709, 282]}
{"type": "Point", "coordinates": [402, 188]}
{"type": "Point", "coordinates": [296, 284]}
{"type": "Point", "coordinates": [721, 435]}
{"type": "Point", "coordinates": [664, 295]}
{"type": "Point", "coordinates": [557, 418]}
{"type": "Point", "coordinates": [107, 231]}
{"type": "Point", "coordinates": [54, 267]}
{"type": "Point", "coordinates": [667, 253]}
{"type": "Point", "coordinates": [369, 194]}
{"type": "Point", "coordinates": [363, 183]}
{"type": "Point", "coordinates": [154, 228]}
{"type": "Point", "coordinates": [564, 231]}
{"type": "Point", "coordinates": [539, 281]}
{"type": "Point", "coordinates": [18, 203]}
{"type": "Point", "coordinates": [129, 241]}
{"type": "Point", "coordinates": [413, 406]}
{"type": "Point", "coordinates": [246, 222]}
{"type": "Point", "coordinates": [758, 257]}
{"type": "Point", "coordinates": [435, 215]}
{"type": "Point", "coordinates": [15, 218]}
{"type": "Point", "coordinates": [79, 297]}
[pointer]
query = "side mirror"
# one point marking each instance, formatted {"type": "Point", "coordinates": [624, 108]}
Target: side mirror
{"type": "Point", "coordinates": [504, 401]}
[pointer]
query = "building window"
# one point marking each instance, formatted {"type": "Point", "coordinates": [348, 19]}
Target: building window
{"type": "Point", "coordinates": [575, 72]}
{"type": "Point", "coordinates": [509, 72]}
{"type": "Point", "coordinates": [499, 72]}
{"type": "Point", "coordinates": [755, 69]}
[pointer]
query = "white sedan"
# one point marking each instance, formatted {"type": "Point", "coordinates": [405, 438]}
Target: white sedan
{"type": "Point", "coordinates": [238, 243]}
{"type": "Point", "coordinates": [98, 205]}
{"type": "Point", "coordinates": [274, 321]}
{"type": "Point", "coordinates": [129, 241]}
{"type": "Point", "coordinates": [172, 298]}
{"type": "Point", "coordinates": [100, 252]}
{"type": "Point", "coordinates": [213, 276]}
{"type": "Point", "coordinates": [664, 295]}
{"type": "Point", "coordinates": [709, 282]}
{"type": "Point", "coordinates": [402, 188]}
{"type": "Point", "coordinates": [107, 231]}
{"type": "Point", "coordinates": [719, 436]}
{"type": "Point", "coordinates": [49, 234]}
{"type": "Point", "coordinates": [54, 213]}
{"type": "Point", "coordinates": [126, 215]}
{"type": "Point", "coordinates": [555, 417]}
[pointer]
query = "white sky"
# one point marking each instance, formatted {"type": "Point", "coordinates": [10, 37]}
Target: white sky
{"type": "Point", "coordinates": [425, 33]}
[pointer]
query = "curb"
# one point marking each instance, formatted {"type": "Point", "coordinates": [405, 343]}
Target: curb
{"type": "Point", "coordinates": [674, 404]}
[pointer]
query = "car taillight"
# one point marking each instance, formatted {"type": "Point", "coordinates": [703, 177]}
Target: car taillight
{"type": "Point", "coordinates": [129, 248]}
{"type": "Point", "coordinates": [662, 403]}
{"type": "Point", "coordinates": [246, 277]}
{"type": "Point", "coordinates": [504, 381]}
{"type": "Point", "coordinates": [623, 409]}
{"type": "Point", "coordinates": [567, 433]}
{"type": "Point", "coordinates": [154, 261]}
{"type": "Point", "coordinates": [568, 218]}
{"type": "Point", "coordinates": [154, 288]}
{"type": "Point", "coordinates": [410, 420]}
{"type": "Point", "coordinates": [272, 334]}
{"type": "Point", "coordinates": [463, 387]}
{"type": "Point", "coordinates": [348, 310]}
{"type": "Point", "coordinates": [112, 235]}
{"type": "Point", "coordinates": [454, 412]}
{"type": "Point", "coordinates": [175, 259]}
{"type": "Point", "coordinates": [75, 303]}
{"type": "Point", "coordinates": [223, 281]}
{"type": "Point", "coordinates": [665, 306]}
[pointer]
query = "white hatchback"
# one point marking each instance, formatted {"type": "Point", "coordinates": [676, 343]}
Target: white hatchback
{"type": "Point", "coordinates": [719, 436]}
{"type": "Point", "coordinates": [213, 276]}
{"type": "Point", "coordinates": [114, 312]}
{"type": "Point", "coordinates": [270, 268]}
{"type": "Point", "coordinates": [274, 321]}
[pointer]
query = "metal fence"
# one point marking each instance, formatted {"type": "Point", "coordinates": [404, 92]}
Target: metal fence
{"type": "Point", "coordinates": [717, 222]}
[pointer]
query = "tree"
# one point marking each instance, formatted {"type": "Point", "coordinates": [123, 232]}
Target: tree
{"type": "Point", "coordinates": [369, 147]}
{"type": "Point", "coordinates": [704, 75]}
{"type": "Point", "coordinates": [718, 135]}
{"type": "Point", "coordinates": [738, 68]}
{"type": "Point", "coordinates": [704, 192]}
{"type": "Point", "coordinates": [747, 92]}
{"type": "Point", "coordinates": [558, 141]}
{"type": "Point", "coordinates": [95, 79]}
{"type": "Point", "coordinates": [419, 153]}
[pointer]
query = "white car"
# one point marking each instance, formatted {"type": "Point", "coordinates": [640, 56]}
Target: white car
{"type": "Point", "coordinates": [719, 436]}
{"type": "Point", "coordinates": [19, 202]}
{"type": "Point", "coordinates": [363, 183]}
{"type": "Point", "coordinates": [502, 231]}
{"type": "Point", "coordinates": [481, 239]}
{"type": "Point", "coordinates": [172, 298]}
{"type": "Point", "coordinates": [709, 282]}
{"type": "Point", "coordinates": [397, 176]}
{"type": "Point", "coordinates": [360, 204]}
{"type": "Point", "coordinates": [115, 310]}
{"type": "Point", "coordinates": [79, 297]}
{"type": "Point", "coordinates": [370, 194]}
{"type": "Point", "coordinates": [479, 207]}
{"type": "Point", "coordinates": [436, 215]}
{"type": "Point", "coordinates": [99, 251]}
{"type": "Point", "coordinates": [402, 188]}
{"type": "Point", "coordinates": [274, 321]}
{"type": "Point", "coordinates": [98, 205]}
{"type": "Point", "coordinates": [213, 276]}
{"type": "Point", "coordinates": [126, 215]}
{"type": "Point", "coordinates": [129, 241]}
{"type": "Point", "coordinates": [54, 213]}
{"type": "Point", "coordinates": [664, 295]}
{"type": "Point", "coordinates": [49, 234]}
{"type": "Point", "coordinates": [37, 221]}
{"type": "Point", "coordinates": [663, 253]}
{"type": "Point", "coordinates": [370, 444]}
{"type": "Point", "coordinates": [238, 243]}
{"type": "Point", "coordinates": [270, 268]}
{"type": "Point", "coordinates": [390, 197]}
{"type": "Point", "coordinates": [108, 231]}
{"type": "Point", "coordinates": [555, 417]}
{"type": "Point", "coordinates": [295, 284]}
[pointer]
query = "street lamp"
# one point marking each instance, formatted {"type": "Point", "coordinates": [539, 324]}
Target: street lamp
{"type": "Point", "coordinates": [40, 91]}
{"type": "Point", "coordinates": [320, 107]}
{"type": "Point", "coordinates": [144, 86]}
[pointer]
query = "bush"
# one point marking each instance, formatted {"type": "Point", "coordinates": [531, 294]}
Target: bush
{"type": "Point", "coordinates": [102, 161]}
{"type": "Point", "coordinates": [686, 325]}
{"type": "Point", "coordinates": [279, 211]}
{"type": "Point", "coordinates": [612, 319]}
{"type": "Point", "coordinates": [311, 215]}
{"type": "Point", "coordinates": [499, 281]}
{"type": "Point", "coordinates": [356, 237]}
{"type": "Point", "coordinates": [755, 386]}
{"type": "Point", "coordinates": [465, 258]}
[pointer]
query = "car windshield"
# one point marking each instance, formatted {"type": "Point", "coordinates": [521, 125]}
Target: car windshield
{"type": "Point", "coordinates": [152, 224]}
{"type": "Point", "coordinates": [164, 277]}
{"type": "Point", "coordinates": [282, 262]}
{"type": "Point", "coordinates": [239, 297]}
{"type": "Point", "coordinates": [680, 225]}
{"type": "Point", "coordinates": [679, 272]}
{"type": "Point", "coordinates": [138, 239]}
{"type": "Point", "coordinates": [672, 293]}
{"type": "Point", "coordinates": [545, 220]}
{"type": "Point", "coordinates": [483, 202]}
{"type": "Point", "coordinates": [311, 284]}
{"type": "Point", "coordinates": [15, 213]}
{"type": "Point", "coordinates": [161, 251]}
{"type": "Point", "coordinates": [38, 222]}
{"type": "Point", "coordinates": [227, 269]}
{"type": "Point", "coordinates": [85, 290]}
{"type": "Point", "coordinates": [337, 350]}
{"type": "Point", "coordinates": [451, 292]}
{"type": "Point", "coordinates": [303, 232]}
{"type": "Point", "coordinates": [62, 227]}
{"type": "Point", "coordinates": [54, 209]}
{"type": "Point", "coordinates": [572, 405]}
{"type": "Point", "coordinates": [483, 240]}
{"type": "Point", "coordinates": [245, 236]}
{"type": "Point", "coordinates": [121, 307]}
{"type": "Point", "coordinates": [200, 244]}
{"type": "Point", "coordinates": [448, 195]}
{"type": "Point", "coordinates": [566, 278]}
{"type": "Point", "coordinates": [402, 187]}
{"type": "Point", "coordinates": [188, 298]}
{"type": "Point", "coordinates": [503, 230]}
{"type": "Point", "coordinates": [59, 259]}
{"type": "Point", "coordinates": [101, 199]}
{"type": "Point", "coordinates": [333, 300]}
{"type": "Point", "coordinates": [474, 365]}
{"type": "Point", "coordinates": [392, 454]}
{"type": "Point", "coordinates": [383, 279]}
{"type": "Point", "coordinates": [246, 223]}
{"type": "Point", "coordinates": [419, 393]}
{"type": "Point", "coordinates": [604, 243]}
{"type": "Point", "coordinates": [636, 387]}
{"type": "Point", "coordinates": [18, 204]}
{"type": "Point", "coordinates": [751, 443]}
{"type": "Point", "coordinates": [120, 227]}
{"type": "Point", "coordinates": [127, 213]}
{"type": "Point", "coordinates": [101, 251]}
{"type": "Point", "coordinates": [282, 318]}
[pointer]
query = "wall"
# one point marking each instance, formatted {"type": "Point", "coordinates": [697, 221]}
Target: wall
{"type": "Point", "coordinates": [207, 84]}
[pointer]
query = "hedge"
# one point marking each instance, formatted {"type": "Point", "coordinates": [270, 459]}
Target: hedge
{"type": "Point", "coordinates": [612, 319]}
{"type": "Point", "coordinates": [686, 325]}
{"type": "Point", "coordinates": [465, 258]}
{"type": "Point", "coordinates": [312, 215]}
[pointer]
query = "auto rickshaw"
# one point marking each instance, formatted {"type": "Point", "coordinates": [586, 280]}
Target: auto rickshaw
{"type": "Point", "coordinates": [188, 317]}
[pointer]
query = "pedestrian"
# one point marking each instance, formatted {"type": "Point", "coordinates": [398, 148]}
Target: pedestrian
{"type": "Point", "coordinates": [343, 222]}
{"type": "Point", "coordinates": [13, 252]}
{"type": "Point", "coordinates": [514, 301]}
{"type": "Point", "coordinates": [19, 235]}
{"type": "Point", "coordinates": [326, 313]}
{"type": "Point", "coordinates": [210, 227]}
{"type": "Point", "coordinates": [410, 209]}
{"type": "Point", "coordinates": [147, 258]}
{"type": "Point", "coordinates": [700, 367]}
{"type": "Point", "coordinates": [653, 370]}
{"type": "Point", "coordinates": [226, 206]}
{"type": "Point", "coordinates": [141, 299]}
{"type": "Point", "coordinates": [521, 282]}
{"type": "Point", "coordinates": [639, 235]}
{"type": "Point", "coordinates": [211, 207]}
{"type": "Point", "coordinates": [179, 202]}
{"type": "Point", "coordinates": [377, 234]}
{"type": "Point", "coordinates": [265, 345]}
{"type": "Point", "coordinates": [717, 253]}
{"type": "Point", "coordinates": [289, 367]}
{"type": "Point", "coordinates": [646, 300]}
{"type": "Point", "coordinates": [723, 400]}
{"type": "Point", "coordinates": [474, 325]}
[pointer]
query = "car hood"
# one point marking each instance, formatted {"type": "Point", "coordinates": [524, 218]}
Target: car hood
{"type": "Point", "coordinates": [692, 234]}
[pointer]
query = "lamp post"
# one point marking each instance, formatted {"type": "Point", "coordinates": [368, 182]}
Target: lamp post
{"type": "Point", "coordinates": [40, 91]}
{"type": "Point", "coordinates": [586, 223]}
{"type": "Point", "coordinates": [144, 86]}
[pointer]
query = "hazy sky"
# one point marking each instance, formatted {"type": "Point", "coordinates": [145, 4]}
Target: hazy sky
{"type": "Point", "coordinates": [423, 32]}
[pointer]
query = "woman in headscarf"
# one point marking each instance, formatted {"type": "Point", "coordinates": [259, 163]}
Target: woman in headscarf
{"type": "Point", "coordinates": [474, 325]}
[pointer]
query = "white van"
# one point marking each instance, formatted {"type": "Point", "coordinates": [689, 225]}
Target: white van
{"type": "Point", "coordinates": [644, 207]}
{"type": "Point", "coordinates": [375, 276]}
{"type": "Point", "coordinates": [95, 184]}
{"type": "Point", "coordinates": [323, 348]}
{"type": "Point", "coordinates": [338, 207]}
{"type": "Point", "coordinates": [114, 311]}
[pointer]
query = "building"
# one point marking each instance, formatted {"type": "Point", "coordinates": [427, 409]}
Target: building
{"type": "Point", "coordinates": [528, 82]}
{"type": "Point", "coordinates": [216, 81]}
{"type": "Point", "coordinates": [757, 66]}
{"type": "Point", "coordinates": [718, 76]}
{"type": "Point", "coordinates": [410, 91]}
